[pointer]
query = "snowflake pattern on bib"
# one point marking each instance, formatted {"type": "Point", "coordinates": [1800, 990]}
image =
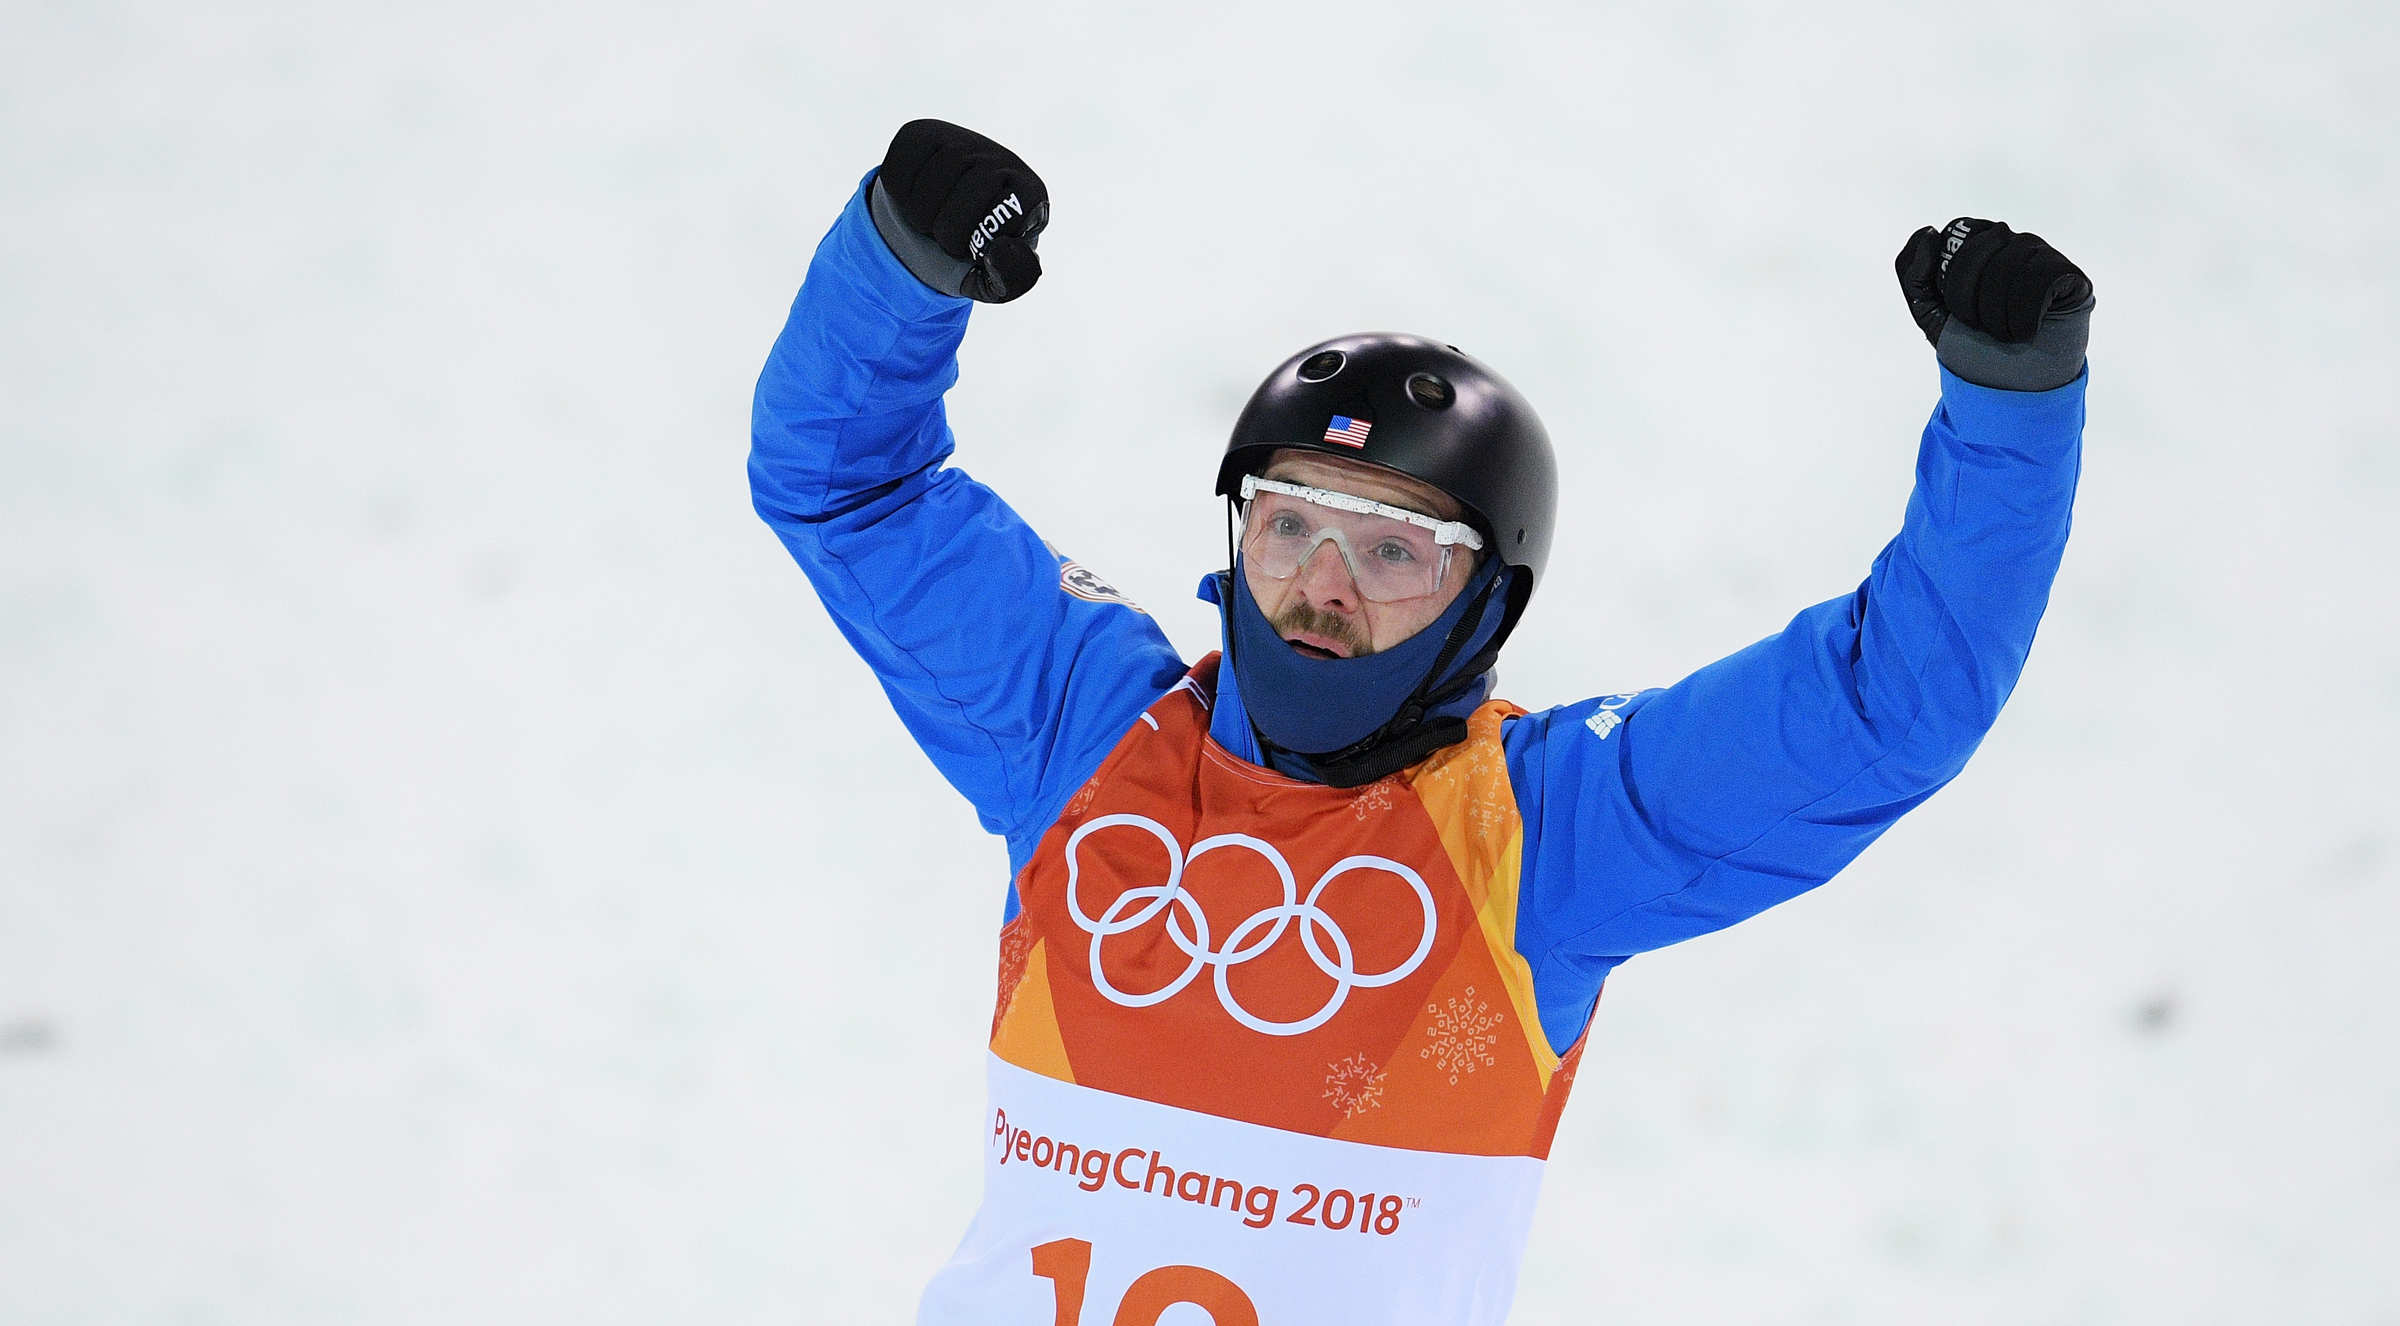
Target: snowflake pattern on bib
{"type": "Point", "coordinates": [1483, 804]}
{"type": "Point", "coordinates": [1354, 1085]}
{"type": "Point", "coordinates": [1374, 796]}
{"type": "Point", "coordinates": [1464, 1032]}
{"type": "Point", "coordinates": [1016, 948]}
{"type": "Point", "coordinates": [1082, 800]}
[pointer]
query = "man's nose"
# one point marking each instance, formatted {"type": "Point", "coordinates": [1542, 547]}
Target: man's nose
{"type": "Point", "coordinates": [1325, 579]}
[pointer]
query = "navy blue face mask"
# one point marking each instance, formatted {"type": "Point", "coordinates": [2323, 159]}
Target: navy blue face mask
{"type": "Point", "coordinates": [1324, 705]}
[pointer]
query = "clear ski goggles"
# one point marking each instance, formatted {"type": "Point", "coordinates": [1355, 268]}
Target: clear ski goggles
{"type": "Point", "coordinates": [1392, 553]}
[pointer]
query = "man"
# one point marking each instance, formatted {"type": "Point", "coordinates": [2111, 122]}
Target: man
{"type": "Point", "coordinates": [1300, 946]}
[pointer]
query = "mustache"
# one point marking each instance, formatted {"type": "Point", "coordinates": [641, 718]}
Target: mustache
{"type": "Point", "coordinates": [1306, 617]}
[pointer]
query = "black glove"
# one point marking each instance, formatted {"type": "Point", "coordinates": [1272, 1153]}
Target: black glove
{"type": "Point", "coordinates": [2002, 309]}
{"type": "Point", "coordinates": [961, 212]}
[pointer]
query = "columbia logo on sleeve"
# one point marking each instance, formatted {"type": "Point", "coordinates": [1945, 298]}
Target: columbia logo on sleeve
{"type": "Point", "coordinates": [1606, 719]}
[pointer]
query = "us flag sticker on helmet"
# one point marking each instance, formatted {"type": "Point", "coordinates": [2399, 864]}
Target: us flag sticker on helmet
{"type": "Point", "coordinates": [1347, 431]}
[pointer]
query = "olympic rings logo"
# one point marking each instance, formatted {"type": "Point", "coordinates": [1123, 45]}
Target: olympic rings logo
{"type": "Point", "coordinates": [1187, 924]}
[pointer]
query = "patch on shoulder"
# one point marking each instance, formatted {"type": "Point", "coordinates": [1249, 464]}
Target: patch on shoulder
{"type": "Point", "coordinates": [1078, 580]}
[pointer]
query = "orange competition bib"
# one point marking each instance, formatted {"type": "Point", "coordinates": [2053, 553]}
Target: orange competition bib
{"type": "Point", "coordinates": [1262, 1047]}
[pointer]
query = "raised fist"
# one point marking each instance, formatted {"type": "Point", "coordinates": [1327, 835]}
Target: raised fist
{"type": "Point", "coordinates": [1996, 280]}
{"type": "Point", "coordinates": [2002, 307]}
{"type": "Point", "coordinates": [967, 211]}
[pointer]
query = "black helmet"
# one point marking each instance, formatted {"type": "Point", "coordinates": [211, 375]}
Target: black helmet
{"type": "Point", "coordinates": [1429, 412]}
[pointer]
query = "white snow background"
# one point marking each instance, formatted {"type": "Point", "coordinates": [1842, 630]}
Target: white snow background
{"type": "Point", "coordinates": [452, 871]}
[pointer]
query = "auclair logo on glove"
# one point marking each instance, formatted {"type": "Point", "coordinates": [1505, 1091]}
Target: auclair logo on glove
{"type": "Point", "coordinates": [1955, 238]}
{"type": "Point", "coordinates": [1008, 210]}
{"type": "Point", "coordinates": [978, 204]}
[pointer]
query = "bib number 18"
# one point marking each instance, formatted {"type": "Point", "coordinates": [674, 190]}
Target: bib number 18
{"type": "Point", "coordinates": [1067, 1264]}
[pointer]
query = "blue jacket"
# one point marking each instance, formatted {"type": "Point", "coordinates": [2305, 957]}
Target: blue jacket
{"type": "Point", "coordinates": [1649, 818]}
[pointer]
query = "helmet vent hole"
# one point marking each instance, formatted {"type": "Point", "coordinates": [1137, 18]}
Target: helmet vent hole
{"type": "Point", "coordinates": [1318, 367]}
{"type": "Point", "coordinates": [1520, 538]}
{"type": "Point", "coordinates": [1431, 392]}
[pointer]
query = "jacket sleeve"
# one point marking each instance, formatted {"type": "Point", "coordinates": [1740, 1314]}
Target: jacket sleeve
{"type": "Point", "coordinates": [1656, 817]}
{"type": "Point", "coordinates": [1013, 668]}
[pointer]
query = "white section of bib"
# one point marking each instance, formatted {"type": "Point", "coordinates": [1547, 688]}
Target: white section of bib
{"type": "Point", "coordinates": [1450, 1259]}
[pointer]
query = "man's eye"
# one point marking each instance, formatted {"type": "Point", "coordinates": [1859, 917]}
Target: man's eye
{"type": "Point", "coordinates": [1285, 525]}
{"type": "Point", "coordinates": [1395, 552]}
